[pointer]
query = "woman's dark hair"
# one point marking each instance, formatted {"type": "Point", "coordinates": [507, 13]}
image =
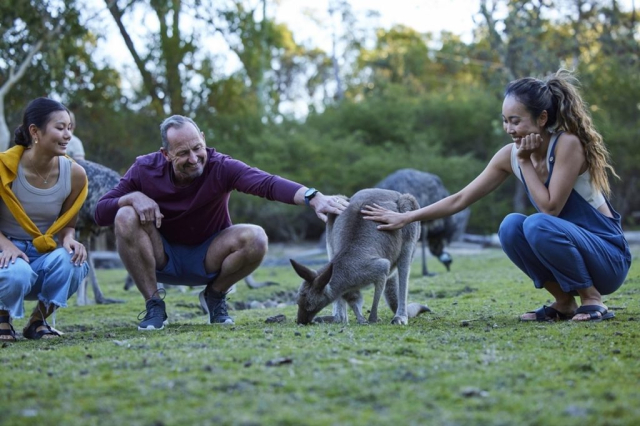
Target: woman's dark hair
{"type": "Point", "coordinates": [38, 113]}
{"type": "Point", "coordinates": [558, 95]}
{"type": "Point", "coordinates": [536, 97]}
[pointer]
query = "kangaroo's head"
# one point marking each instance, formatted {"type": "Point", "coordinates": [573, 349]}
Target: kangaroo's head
{"type": "Point", "coordinates": [311, 296]}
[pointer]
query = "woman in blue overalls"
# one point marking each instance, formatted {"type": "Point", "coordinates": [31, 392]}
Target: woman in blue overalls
{"type": "Point", "coordinates": [574, 245]}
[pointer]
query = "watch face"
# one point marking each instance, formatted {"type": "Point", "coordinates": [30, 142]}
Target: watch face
{"type": "Point", "coordinates": [310, 192]}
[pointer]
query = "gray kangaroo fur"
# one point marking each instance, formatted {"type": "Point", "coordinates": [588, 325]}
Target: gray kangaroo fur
{"type": "Point", "coordinates": [361, 255]}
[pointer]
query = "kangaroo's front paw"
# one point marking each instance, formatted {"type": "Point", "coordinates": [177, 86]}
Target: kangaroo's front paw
{"type": "Point", "coordinates": [400, 320]}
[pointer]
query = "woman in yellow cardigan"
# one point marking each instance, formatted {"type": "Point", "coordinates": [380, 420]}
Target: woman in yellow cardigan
{"type": "Point", "coordinates": [41, 193]}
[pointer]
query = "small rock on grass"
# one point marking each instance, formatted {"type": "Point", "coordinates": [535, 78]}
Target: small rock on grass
{"type": "Point", "coordinates": [279, 361]}
{"type": "Point", "coordinates": [469, 392]}
{"type": "Point", "coordinates": [276, 319]}
{"type": "Point", "coordinates": [326, 319]}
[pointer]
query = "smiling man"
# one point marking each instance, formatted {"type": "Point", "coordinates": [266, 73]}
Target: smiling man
{"type": "Point", "coordinates": [172, 223]}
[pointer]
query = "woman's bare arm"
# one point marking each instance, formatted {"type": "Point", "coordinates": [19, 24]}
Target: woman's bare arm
{"type": "Point", "coordinates": [496, 172]}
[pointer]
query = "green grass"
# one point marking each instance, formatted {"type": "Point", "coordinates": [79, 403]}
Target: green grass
{"type": "Point", "coordinates": [470, 362]}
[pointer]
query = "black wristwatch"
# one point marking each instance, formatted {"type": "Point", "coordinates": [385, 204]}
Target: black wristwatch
{"type": "Point", "coordinates": [309, 194]}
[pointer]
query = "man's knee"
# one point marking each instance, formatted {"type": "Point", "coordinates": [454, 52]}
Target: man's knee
{"type": "Point", "coordinates": [126, 221]}
{"type": "Point", "coordinates": [254, 239]}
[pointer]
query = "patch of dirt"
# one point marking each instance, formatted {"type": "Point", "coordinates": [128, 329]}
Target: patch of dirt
{"type": "Point", "coordinates": [279, 299]}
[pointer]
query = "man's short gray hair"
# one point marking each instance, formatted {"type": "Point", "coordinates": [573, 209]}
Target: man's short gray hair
{"type": "Point", "coordinates": [176, 121]}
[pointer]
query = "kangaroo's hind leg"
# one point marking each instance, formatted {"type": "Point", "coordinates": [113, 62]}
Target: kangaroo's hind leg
{"type": "Point", "coordinates": [404, 266]}
{"type": "Point", "coordinates": [355, 301]}
{"type": "Point", "coordinates": [410, 235]}
{"type": "Point", "coordinates": [378, 290]}
{"type": "Point", "coordinates": [391, 291]}
{"type": "Point", "coordinates": [340, 311]}
{"type": "Point", "coordinates": [379, 271]}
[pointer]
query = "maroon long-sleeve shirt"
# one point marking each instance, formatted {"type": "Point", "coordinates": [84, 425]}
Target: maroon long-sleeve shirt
{"type": "Point", "coordinates": [195, 212]}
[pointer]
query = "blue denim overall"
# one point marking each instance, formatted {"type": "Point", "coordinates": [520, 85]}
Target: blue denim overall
{"type": "Point", "coordinates": [578, 249]}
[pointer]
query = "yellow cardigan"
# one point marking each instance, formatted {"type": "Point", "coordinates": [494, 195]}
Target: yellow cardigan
{"type": "Point", "coordinates": [9, 161]}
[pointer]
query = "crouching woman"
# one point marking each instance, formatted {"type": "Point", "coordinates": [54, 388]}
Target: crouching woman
{"type": "Point", "coordinates": [574, 245]}
{"type": "Point", "coordinates": [41, 192]}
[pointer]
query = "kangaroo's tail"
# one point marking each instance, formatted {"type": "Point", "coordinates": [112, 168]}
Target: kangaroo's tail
{"type": "Point", "coordinates": [415, 309]}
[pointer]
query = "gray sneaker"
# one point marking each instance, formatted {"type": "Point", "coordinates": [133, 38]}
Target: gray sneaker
{"type": "Point", "coordinates": [216, 307]}
{"type": "Point", "coordinates": [155, 317]}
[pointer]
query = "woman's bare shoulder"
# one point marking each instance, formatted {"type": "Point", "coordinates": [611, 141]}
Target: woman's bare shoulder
{"type": "Point", "coordinates": [502, 158]}
{"type": "Point", "coordinates": [570, 144]}
{"type": "Point", "coordinates": [78, 174]}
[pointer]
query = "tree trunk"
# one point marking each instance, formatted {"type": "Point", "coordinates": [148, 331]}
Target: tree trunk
{"type": "Point", "coordinates": [170, 42]}
{"type": "Point", "coordinates": [5, 134]}
{"type": "Point", "coordinates": [14, 77]}
{"type": "Point", "coordinates": [147, 79]}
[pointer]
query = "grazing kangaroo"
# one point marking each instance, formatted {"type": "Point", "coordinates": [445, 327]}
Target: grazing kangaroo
{"type": "Point", "coordinates": [360, 255]}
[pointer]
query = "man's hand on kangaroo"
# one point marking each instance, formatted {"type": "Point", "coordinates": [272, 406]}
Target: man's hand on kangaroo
{"type": "Point", "coordinates": [325, 204]}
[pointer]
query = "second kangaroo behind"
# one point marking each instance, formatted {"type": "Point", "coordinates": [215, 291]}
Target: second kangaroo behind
{"type": "Point", "coordinates": [361, 255]}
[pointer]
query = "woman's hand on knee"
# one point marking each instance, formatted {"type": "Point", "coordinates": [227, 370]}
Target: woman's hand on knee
{"type": "Point", "coordinates": [10, 254]}
{"type": "Point", "coordinates": [77, 251]}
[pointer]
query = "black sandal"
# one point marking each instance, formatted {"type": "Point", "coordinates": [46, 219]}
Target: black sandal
{"type": "Point", "coordinates": [5, 319]}
{"type": "Point", "coordinates": [596, 313]}
{"type": "Point", "coordinates": [547, 313]}
{"type": "Point", "coordinates": [31, 333]}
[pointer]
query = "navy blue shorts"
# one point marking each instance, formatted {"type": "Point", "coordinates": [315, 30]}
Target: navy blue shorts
{"type": "Point", "coordinates": [186, 264]}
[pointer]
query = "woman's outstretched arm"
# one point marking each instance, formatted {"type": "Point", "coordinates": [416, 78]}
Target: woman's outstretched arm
{"type": "Point", "coordinates": [496, 172]}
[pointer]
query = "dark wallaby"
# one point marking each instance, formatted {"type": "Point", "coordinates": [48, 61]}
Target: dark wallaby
{"type": "Point", "coordinates": [360, 255]}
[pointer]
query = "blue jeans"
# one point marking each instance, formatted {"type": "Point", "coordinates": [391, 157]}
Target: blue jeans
{"type": "Point", "coordinates": [551, 249]}
{"type": "Point", "coordinates": [49, 277]}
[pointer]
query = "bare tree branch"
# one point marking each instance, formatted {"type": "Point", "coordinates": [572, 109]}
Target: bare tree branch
{"type": "Point", "coordinates": [147, 79]}
{"type": "Point", "coordinates": [15, 76]}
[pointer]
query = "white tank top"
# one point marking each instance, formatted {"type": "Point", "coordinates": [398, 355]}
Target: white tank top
{"type": "Point", "coordinates": [43, 206]}
{"type": "Point", "coordinates": [582, 186]}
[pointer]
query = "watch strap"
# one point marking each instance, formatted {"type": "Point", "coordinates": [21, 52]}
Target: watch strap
{"type": "Point", "coordinates": [309, 194]}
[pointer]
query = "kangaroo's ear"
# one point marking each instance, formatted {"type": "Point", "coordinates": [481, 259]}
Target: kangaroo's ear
{"type": "Point", "coordinates": [303, 272]}
{"type": "Point", "coordinates": [323, 277]}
